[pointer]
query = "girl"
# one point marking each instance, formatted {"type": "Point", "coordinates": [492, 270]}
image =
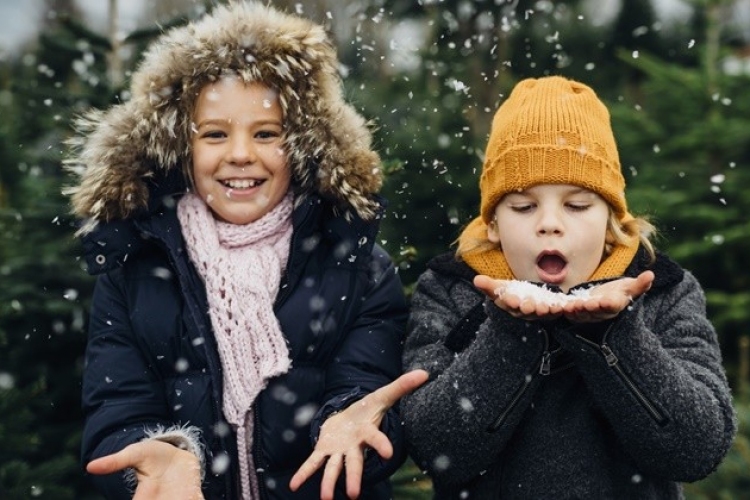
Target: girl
{"type": "Point", "coordinates": [567, 358]}
{"type": "Point", "coordinates": [240, 305]}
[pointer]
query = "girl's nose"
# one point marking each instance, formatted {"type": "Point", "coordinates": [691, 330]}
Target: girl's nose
{"type": "Point", "coordinates": [242, 151]}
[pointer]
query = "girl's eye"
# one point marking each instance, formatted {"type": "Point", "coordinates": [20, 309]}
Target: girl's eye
{"type": "Point", "coordinates": [214, 134]}
{"type": "Point", "coordinates": [267, 134]}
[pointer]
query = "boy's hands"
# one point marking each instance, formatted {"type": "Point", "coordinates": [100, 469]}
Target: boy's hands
{"type": "Point", "coordinates": [164, 471]}
{"type": "Point", "coordinates": [602, 303]}
{"type": "Point", "coordinates": [519, 307]}
{"type": "Point", "coordinates": [608, 300]}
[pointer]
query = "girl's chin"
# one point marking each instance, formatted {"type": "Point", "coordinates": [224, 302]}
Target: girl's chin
{"type": "Point", "coordinates": [238, 215]}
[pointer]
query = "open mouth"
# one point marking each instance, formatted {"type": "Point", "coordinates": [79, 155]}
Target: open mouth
{"type": "Point", "coordinates": [551, 264]}
{"type": "Point", "coordinates": [241, 183]}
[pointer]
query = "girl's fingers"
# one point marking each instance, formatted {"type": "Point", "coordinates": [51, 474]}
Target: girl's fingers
{"type": "Point", "coordinates": [381, 444]}
{"type": "Point", "coordinates": [307, 469]}
{"type": "Point", "coordinates": [330, 476]}
{"type": "Point", "coordinates": [389, 394]}
{"type": "Point", "coordinates": [354, 465]}
{"type": "Point", "coordinates": [127, 457]}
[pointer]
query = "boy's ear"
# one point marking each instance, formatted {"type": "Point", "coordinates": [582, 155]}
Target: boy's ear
{"type": "Point", "coordinates": [492, 232]}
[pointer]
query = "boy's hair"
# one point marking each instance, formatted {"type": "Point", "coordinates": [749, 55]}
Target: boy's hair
{"type": "Point", "coordinates": [618, 233]}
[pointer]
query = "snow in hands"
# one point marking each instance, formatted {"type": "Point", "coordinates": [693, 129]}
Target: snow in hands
{"type": "Point", "coordinates": [540, 294]}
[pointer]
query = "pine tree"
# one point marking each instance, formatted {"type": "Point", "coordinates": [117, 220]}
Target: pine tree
{"type": "Point", "coordinates": [684, 137]}
{"type": "Point", "coordinates": [45, 292]}
{"type": "Point", "coordinates": [685, 141]}
{"type": "Point", "coordinates": [42, 313]}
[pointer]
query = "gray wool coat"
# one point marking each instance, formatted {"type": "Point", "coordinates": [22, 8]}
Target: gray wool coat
{"type": "Point", "coordinates": [626, 408]}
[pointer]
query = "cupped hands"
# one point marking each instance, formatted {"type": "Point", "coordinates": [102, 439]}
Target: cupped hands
{"type": "Point", "coordinates": [600, 303]}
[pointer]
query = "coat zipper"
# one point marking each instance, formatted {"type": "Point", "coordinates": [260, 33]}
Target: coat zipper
{"type": "Point", "coordinates": [614, 363]}
{"type": "Point", "coordinates": [285, 288]}
{"type": "Point", "coordinates": [257, 451]}
{"type": "Point", "coordinates": [182, 277]}
{"type": "Point", "coordinates": [544, 369]}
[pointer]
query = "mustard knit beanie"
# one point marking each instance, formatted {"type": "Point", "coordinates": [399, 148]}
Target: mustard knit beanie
{"type": "Point", "coordinates": [549, 131]}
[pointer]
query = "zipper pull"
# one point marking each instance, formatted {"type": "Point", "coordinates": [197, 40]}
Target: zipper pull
{"type": "Point", "coordinates": [609, 355]}
{"type": "Point", "coordinates": [544, 368]}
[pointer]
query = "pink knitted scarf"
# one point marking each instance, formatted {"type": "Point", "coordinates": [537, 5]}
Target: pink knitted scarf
{"type": "Point", "coordinates": [241, 266]}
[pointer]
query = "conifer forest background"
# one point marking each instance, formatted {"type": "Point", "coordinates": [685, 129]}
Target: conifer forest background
{"type": "Point", "coordinates": [430, 74]}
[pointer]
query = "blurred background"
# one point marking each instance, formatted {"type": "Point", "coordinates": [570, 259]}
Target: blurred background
{"type": "Point", "coordinates": [429, 74]}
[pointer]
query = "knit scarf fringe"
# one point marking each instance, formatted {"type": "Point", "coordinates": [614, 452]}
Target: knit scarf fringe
{"type": "Point", "coordinates": [241, 266]}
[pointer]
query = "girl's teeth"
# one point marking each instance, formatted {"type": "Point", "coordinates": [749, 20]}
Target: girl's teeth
{"type": "Point", "coordinates": [241, 183]}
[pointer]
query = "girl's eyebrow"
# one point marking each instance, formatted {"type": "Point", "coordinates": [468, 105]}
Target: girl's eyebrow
{"type": "Point", "coordinates": [211, 121]}
{"type": "Point", "coordinates": [226, 121]}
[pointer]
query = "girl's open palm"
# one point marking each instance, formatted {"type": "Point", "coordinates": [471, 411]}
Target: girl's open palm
{"type": "Point", "coordinates": [164, 471]}
{"type": "Point", "coordinates": [345, 435]}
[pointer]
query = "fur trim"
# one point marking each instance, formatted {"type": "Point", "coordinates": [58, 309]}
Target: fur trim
{"type": "Point", "coordinates": [328, 141]}
{"type": "Point", "coordinates": [184, 437]}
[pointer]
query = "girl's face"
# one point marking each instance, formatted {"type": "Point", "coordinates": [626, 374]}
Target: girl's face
{"type": "Point", "coordinates": [551, 233]}
{"type": "Point", "coordinates": [240, 168]}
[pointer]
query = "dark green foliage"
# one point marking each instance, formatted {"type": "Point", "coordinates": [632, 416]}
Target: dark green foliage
{"type": "Point", "coordinates": [687, 148]}
{"type": "Point", "coordinates": [429, 162]}
{"type": "Point", "coordinates": [45, 292]}
{"type": "Point", "coordinates": [42, 317]}
{"type": "Point", "coordinates": [683, 130]}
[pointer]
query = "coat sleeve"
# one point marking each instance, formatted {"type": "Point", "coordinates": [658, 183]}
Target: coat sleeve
{"type": "Point", "coordinates": [658, 377]}
{"type": "Point", "coordinates": [368, 358]}
{"type": "Point", "coordinates": [451, 422]}
{"type": "Point", "coordinates": [123, 400]}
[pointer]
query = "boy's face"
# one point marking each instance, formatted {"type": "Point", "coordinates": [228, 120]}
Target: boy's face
{"type": "Point", "coordinates": [551, 233]}
{"type": "Point", "coordinates": [240, 168]}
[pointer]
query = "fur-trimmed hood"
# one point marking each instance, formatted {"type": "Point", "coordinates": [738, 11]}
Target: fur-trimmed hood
{"type": "Point", "coordinates": [115, 152]}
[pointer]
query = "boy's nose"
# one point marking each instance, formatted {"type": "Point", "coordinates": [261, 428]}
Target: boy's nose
{"type": "Point", "coordinates": [549, 222]}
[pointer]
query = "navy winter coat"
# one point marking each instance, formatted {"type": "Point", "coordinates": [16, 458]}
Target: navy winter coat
{"type": "Point", "coordinates": [152, 359]}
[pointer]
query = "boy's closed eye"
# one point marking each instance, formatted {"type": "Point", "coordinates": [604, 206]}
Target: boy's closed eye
{"type": "Point", "coordinates": [578, 206]}
{"type": "Point", "coordinates": [522, 208]}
